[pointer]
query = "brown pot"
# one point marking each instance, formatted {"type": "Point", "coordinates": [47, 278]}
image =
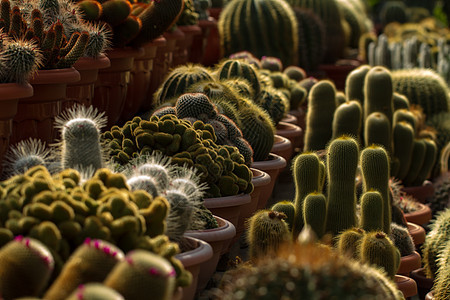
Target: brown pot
{"type": "Point", "coordinates": [180, 45]}
{"type": "Point", "coordinates": [282, 146]}
{"type": "Point", "coordinates": [409, 263]}
{"type": "Point", "coordinates": [424, 284]}
{"type": "Point", "coordinates": [212, 53]}
{"type": "Point", "coordinates": [82, 92]}
{"type": "Point", "coordinates": [291, 131]}
{"type": "Point", "coordinates": [422, 192]}
{"type": "Point", "coordinates": [192, 261]}
{"type": "Point", "coordinates": [272, 166]}
{"type": "Point", "coordinates": [10, 93]}
{"type": "Point", "coordinates": [339, 71]}
{"type": "Point", "coordinates": [185, 45]}
{"type": "Point", "coordinates": [140, 78]}
{"type": "Point", "coordinates": [216, 238]}
{"type": "Point", "coordinates": [112, 83]}
{"type": "Point", "coordinates": [406, 285]}
{"type": "Point", "coordinates": [417, 233]}
{"type": "Point", "coordinates": [200, 41]}
{"type": "Point", "coordinates": [421, 216]}
{"type": "Point", "coordinates": [36, 114]}
{"type": "Point", "coordinates": [290, 118]}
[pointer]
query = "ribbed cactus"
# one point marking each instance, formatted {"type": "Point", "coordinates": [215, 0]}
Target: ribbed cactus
{"type": "Point", "coordinates": [403, 137]}
{"type": "Point", "coordinates": [372, 206]}
{"type": "Point", "coordinates": [306, 174]}
{"type": "Point", "coordinates": [431, 155]}
{"type": "Point", "coordinates": [347, 120]}
{"type": "Point", "coordinates": [286, 207]}
{"type": "Point", "coordinates": [441, 288]}
{"type": "Point", "coordinates": [342, 161]}
{"type": "Point", "coordinates": [25, 268]}
{"type": "Point", "coordinates": [179, 80]}
{"type": "Point", "coordinates": [80, 145]}
{"type": "Point", "coordinates": [141, 274]}
{"type": "Point", "coordinates": [375, 165]}
{"type": "Point", "coordinates": [236, 68]}
{"type": "Point", "coordinates": [377, 131]}
{"type": "Point", "coordinates": [314, 212]}
{"type": "Point", "coordinates": [90, 262]}
{"type": "Point", "coordinates": [349, 241]}
{"type": "Point", "coordinates": [319, 118]}
{"type": "Point", "coordinates": [242, 26]}
{"type": "Point", "coordinates": [267, 231]}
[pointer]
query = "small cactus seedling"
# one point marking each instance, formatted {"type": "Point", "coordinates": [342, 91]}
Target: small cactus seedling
{"type": "Point", "coordinates": [80, 144]}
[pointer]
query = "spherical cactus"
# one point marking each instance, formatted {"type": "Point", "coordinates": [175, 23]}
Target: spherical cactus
{"type": "Point", "coordinates": [251, 35]}
{"type": "Point", "coordinates": [349, 241]}
{"type": "Point", "coordinates": [286, 207]}
{"type": "Point", "coordinates": [93, 291]}
{"type": "Point", "coordinates": [294, 72]}
{"type": "Point", "coordinates": [274, 103]}
{"type": "Point", "coordinates": [266, 233]}
{"type": "Point", "coordinates": [235, 68]}
{"type": "Point", "coordinates": [26, 266]}
{"type": "Point", "coordinates": [141, 274]}
{"type": "Point", "coordinates": [402, 239]}
{"type": "Point", "coordinates": [195, 105]}
{"type": "Point", "coordinates": [217, 91]}
{"type": "Point", "coordinates": [271, 63]}
{"type": "Point", "coordinates": [347, 120]}
{"type": "Point", "coordinates": [157, 167]}
{"type": "Point", "coordinates": [90, 262]}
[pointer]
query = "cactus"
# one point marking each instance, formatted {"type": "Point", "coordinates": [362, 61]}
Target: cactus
{"type": "Point", "coordinates": [347, 120]}
{"type": "Point", "coordinates": [92, 291]}
{"type": "Point", "coordinates": [355, 20]}
{"type": "Point", "coordinates": [26, 266]}
{"type": "Point", "coordinates": [319, 118]}
{"type": "Point", "coordinates": [377, 131]}
{"type": "Point", "coordinates": [428, 163]}
{"type": "Point", "coordinates": [90, 262]}
{"type": "Point", "coordinates": [372, 206]}
{"type": "Point", "coordinates": [402, 239]}
{"type": "Point", "coordinates": [286, 207]}
{"type": "Point", "coordinates": [306, 173]}
{"type": "Point", "coordinates": [217, 91]}
{"type": "Point", "coordinates": [374, 162]}
{"type": "Point", "coordinates": [298, 96]}
{"type": "Point", "coordinates": [273, 64]}
{"type": "Point", "coordinates": [80, 144]}
{"type": "Point", "coordinates": [349, 241]}
{"type": "Point", "coordinates": [314, 212]}
{"type": "Point", "coordinates": [294, 72]}
{"type": "Point", "coordinates": [354, 84]}
{"type": "Point", "coordinates": [343, 157]}
{"type": "Point", "coordinates": [400, 102]}
{"type": "Point", "coordinates": [403, 136]}
{"type": "Point", "coordinates": [267, 231]}
{"type": "Point", "coordinates": [236, 68]}
{"type": "Point", "coordinates": [393, 11]}
{"type": "Point", "coordinates": [251, 34]}
{"type": "Point", "coordinates": [377, 249]}
{"type": "Point", "coordinates": [274, 103]}
{"type": "Point", "coordinates": [441, 287]}
{"type": "Point", "coordinates": [417, 160]}
{"type": "Point", "coordinates": [140, 274]}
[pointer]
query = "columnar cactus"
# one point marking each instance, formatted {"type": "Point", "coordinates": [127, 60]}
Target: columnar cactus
{"type": "Point", "coordinates": [286, 207]}
{"type": "Point", "coordinates": [354, 84]}
{"type": "Point", "coordinates": [251, 34]}
{"type": "Point", "coordinates": [314, 212]}
{"type": "Point", "coordinates": [349, 241]}
{"type": "Point", "coordinates": [372, 206]}
{"type": "Point", "coordinates": [377, 131]}
{"type": "Point", "coordinates": [347, 120]}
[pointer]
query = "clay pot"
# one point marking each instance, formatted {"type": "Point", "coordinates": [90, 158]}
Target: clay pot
{"type": "Point", "coordinates": [36, 114]}
{"type": "Point", "coordinates": [289, 118]}
{"type": "Point", "coordinates": [82, 92]}
{"type": "Point", "coordinates": [422, 192]}
{"type": "Point", "coordinates": [200, 41]}
{"type": "Point", "coordinates": [212, 53]}
{"type": "Point", "coordinates": [272, 166]}
{"type": "Point", "coordinates": [10, 93]}
{"type": "Point", "coordinates": [421, 216]}
{"type": "Point", "coordinates": [417, 233]}
{"type": "Point", "coordinates": [180, 45]}
{"type": "Point", "coordinates": [112, 83]}
{"type": "Point", "coordinates": [216, 238]}
{"type": "Point", "coordinates": [406, 285]}
{"type": "Point", "coordinates": [282, 146]}
{"type": "Point", "coordinates": [424, 284]}
{"type": "Point", "coordinates": [192, 261]}
{"type": "Point", "coordinates": [339, 71]}
{"type": "Point", "coordinates": [140, 78]}
{"type": "Point", "coordinates": [185, 45]}
{"type": "Point", "coordinates": [409, 263]}
{"type": "Point", "coordinates": [291, 131]}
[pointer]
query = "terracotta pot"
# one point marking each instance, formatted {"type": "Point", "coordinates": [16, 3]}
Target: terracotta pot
{"type": "Point", "coordinates": [82, 92]}
{"type": "Point", "coordinates": [409, 263]}
{"type": "Point", "coordinates": [339, 71]}
{"type": "Point", "coordinates": [291, 131]}
{"type": "Point", "coordinates": [10, 93]}
{"type": "Point", "coordinates": [192, 261]}
{"type": "Point", "coordinates": [417, 232]}
{"type": "Point", "coordinates": [259, 180]}
{"type": "Point", "coordinates": [406, 285]}
{"type": "Point", "coordinates": [161, 65]}
{"type": "Point", "coordinates": [112, 83]}
{"type": "Point", "coordinates": [200, 41]}
{"type": "Point", "coordinates": [215, 12]}
{"type": "Point", "coordinates": [421, 216]}
{"type": "Point", "coordinates": [429, 296]}
{"type": "Point", "coordinates": [140, 78]}
{"type": "Point", "coordinates": [283, 147]}
{"type": "Point", "coordinates": [424, 284]}
{"type": "Point", "coordinates": [289, 118]}
{"type": "Point", "coordinates": [185, 45]}
{"type": "Point", "coordinates": [272, 166]}
{"type": "Point", "coordinates": [180, 45]}
{"type": "Point", "coordinates": [36, 115]}
{"type": "Point", "coordinates": [421, 193]}
{"type": "Point", "coordinates": [212, 53]}
{"type": "Point", "coordinates": [216, 238]}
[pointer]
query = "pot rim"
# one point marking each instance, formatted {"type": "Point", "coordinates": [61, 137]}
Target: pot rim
{"type": "Point", "coordinates": [196, 256]}
{"type": "Point", "coordinates": [225, 231]}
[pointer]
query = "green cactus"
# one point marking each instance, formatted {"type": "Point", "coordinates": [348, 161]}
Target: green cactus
{"type": "Point", "coordinates": [347, 120]}
{"type": "Point", "coordinates": [140, 274]}
{"type": "Point", "coordinates": [26, 267]}
{"type": "Point", "coordinates": [393, 11]}
{"type": "Point", "coordinates": [251, 33]}
{"type": "Point", "coordinates": [319, 118]}
{"type": "Point", "coordinates": [377, 249]}
{"type": "Point", "coordinates": [236, 68]}
{"type": "Point", "coordinates": [298, 95]}
{"type": "Point", "coordinates": [402, 239]}
{"type": "Point", "coordinates": [374, 162]}
{"type": "Point", "coordinates": [295, 72]}
{"type": "Point", "coordinates": [349, 241]}
{"type": "Point", "coordinates": [286, 207]}
{"type": "Point", "coordinates": [441, 287]}
{"type": "Point", "coordinates": [267, 231]}
{"type": "Point", "coordinates": [372, 205]}
{"type": "Point", "coordinates": [355, 20]}
{"type": "Point", "coordinates": [92, 291]}
{"type": "Point", "coordinates": [179, 80]}
{"type": "Point", "coordinates": [314, 212]}
{"type": "Point", "coordinates": [306, 173]}
{"type": "Point", "coordinates": [273, 64]}
{"type": "Point", "coordinates": [90, 262]}
{"type": "Point", "coordinates": [274, 103]}
{"type": "Point", "coordinates": [417, 160]}
{"type": "Point", "coordinates": [343, 158]}
{"type": "Point", "coordinates": [377, 131]}
{"type": "Point", "coordinates": [400, 101]}
{"type": "Point", "coordinates": [354, 84]}
{"type": "Point", "coordinates": [428, 163]}
{"type": "Point", "coordinates": [403, 137]}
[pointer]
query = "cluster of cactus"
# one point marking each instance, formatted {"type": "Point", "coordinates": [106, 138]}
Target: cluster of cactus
{"type": "Point", "coordinates": [220, 166]}
{"type": "Point", "coordinates": [61, 211]}
{"type": "Point", "coordinates": [133, 23]}
{"type": "Point", "coordinates": [312, 271]}
{"type": "Point", "coordinates": [251, 34]}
